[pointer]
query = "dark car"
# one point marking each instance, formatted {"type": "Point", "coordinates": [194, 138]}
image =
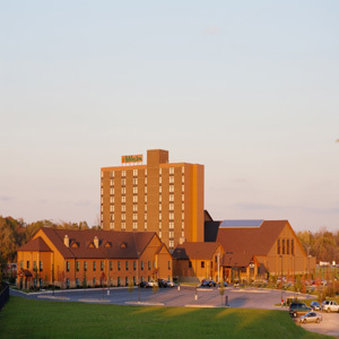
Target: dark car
{"type": "Point", "coordinates": [143, 284]}
{"type": "Point", "coordinates": [205, 283]}
{"type": "Point", "coordinates": [315, 306]}
{"type": "Point", "coordinates": [297, 309]}
{"type": "Point", "coordinates": [162, 283]}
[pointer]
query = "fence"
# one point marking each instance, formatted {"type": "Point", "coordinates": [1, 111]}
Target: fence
{"type": "Point", "coordinates": [4, 295]}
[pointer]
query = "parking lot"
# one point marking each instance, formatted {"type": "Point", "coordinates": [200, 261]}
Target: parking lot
{"type": "Point", "coordinates": [188, 297]}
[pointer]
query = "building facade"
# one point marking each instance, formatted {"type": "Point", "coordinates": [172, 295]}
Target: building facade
{"type": "Point", "coordinates": [194, 261]}
{"type": "Point", "coordinates": [159, 196]}
{"type": "Point", "coordinates": [74, 258]}
{"type": "Point", "coordinates": [257, 249]}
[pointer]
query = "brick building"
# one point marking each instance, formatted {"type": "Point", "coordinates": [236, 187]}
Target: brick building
{"type": "Point", "coordinates": [159, 196]}
{"type": "Point", "coordinates": [73, 258]}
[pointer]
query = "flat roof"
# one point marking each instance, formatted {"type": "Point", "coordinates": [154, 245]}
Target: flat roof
{"type": "Point", "coordinates": [241, 223]}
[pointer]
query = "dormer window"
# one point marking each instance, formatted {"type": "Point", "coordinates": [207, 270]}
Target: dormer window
{"type": "Point", "coordinates": [74, 244]}
{"type": "Point", "coordinates": [91, 245]}
{"type": "Point", "coordinates": [108, 245]}
{"type": "Point", "coordinates": [123, 245]}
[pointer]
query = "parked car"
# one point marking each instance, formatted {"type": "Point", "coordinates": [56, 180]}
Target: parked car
{"type": "Point", "coordinates": [297, 309]}
{"type": "Point", "coordinates": [143, 284]}
{"type": "Point", "coordinates": [170, 283]}
{"type": "Point", "coordinates": [222, 284]}
{"type": "Point", "coordinates": [162, 283]}
{"type": "Point", "coordinates": [152, 283]}
{"type": "Point", "coordinates": [311, 317]}
{"type": "Point", "coordinates": [205, 283]}
{"type": "Point", "coordinates": [330, 306]}
{"type": "Point", "coordinates": [315, 306]}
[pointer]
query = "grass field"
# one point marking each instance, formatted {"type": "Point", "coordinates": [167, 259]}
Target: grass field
{"type": "Point", "coordinates": [24, 318]}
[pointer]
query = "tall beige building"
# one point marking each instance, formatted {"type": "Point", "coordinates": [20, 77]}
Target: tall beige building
{"type": "Point", "coordinates": [164, 197]}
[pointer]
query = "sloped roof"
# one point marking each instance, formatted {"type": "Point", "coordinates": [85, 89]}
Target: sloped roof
{"type": "Point", "coordinates": [135, 243]}
{"type": "Point", "coordinates": [37, 244]}
{"type": "Point", "coordinates": [241, 244]}
{"type": "Point", "coordinates": [195, 250]}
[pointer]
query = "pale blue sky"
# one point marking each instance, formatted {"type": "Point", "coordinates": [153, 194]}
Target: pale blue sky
{"type": "Point", "coordinates": [247, 88]}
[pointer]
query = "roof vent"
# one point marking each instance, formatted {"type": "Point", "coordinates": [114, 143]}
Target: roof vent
{"type": "Point", "coordinates": [96, 242]}
{"type": "Point", "coordinates": [66, 241]}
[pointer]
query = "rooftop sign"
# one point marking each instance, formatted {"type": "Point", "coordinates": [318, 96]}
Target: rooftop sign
{"type": "Point", "coordinates": [125, 159]}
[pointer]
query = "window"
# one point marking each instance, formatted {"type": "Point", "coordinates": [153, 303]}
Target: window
{"type": "Point", "coordinates": [159, 207]}
{"type": "Point", "coordinates": [145, 216]}
{"type": "Point", "coordinates": [283, 246]}
{"type": "Point", "coordinates": [169, 265]}
{"type": "Point", "coordinates": [160, 189]}
{"type": "Point", "coordinates": [171, 170]}
{"type": "Point", "coordinates": [145, 225]}
{"type": "Point", "coordinates": [134, 281]}
{"type": "Point", "coordinates": [123, 217]}
{"type": "Point", "coordinates": [171, 216]}
{"type": "Point", "coordinates": [171, 225]}
{"type": "Point", "coordinates": [21, 264]}
{"type": "Point", "coordinates": [149, 265]}
{"type": "Point", "coordinates": [135, 225]}
{"type": "Point", "coordinates": [135, 198]}
{"type": "Point", "coordinates": [135, 216]}
{"type": "Point", "coordinates": [93, 282]}
{"type": "Point", "coordinates": [77, 282]}
{"type": "Point", "coordinates": [34, 265]}
{"type": "Point", "coordinates": [159, 216]}
{"type": "Point", "coordinates": [111, 182]}
{"type": "Point", "coordinates": [183, 188]}
{"type": "Point", "coordinates": [183, 197]}
{"type": "Point", "coordinates": [134, 265]}
{"type": "Point", "coordinates": [111, 225]}
{"type": "Point", "coordinates": [171, 234]}
{"type": "Point", "coordinates": [77, 265]}
{"type": "Point", "coordinates": [160, 234]}
{"type": "Point", "coordinates": [292, 246]}
{"type": "Point", "coordinates": [171, 244]}
{"type": "Point", "coordinates": [110, 265]}
{"type": "Point", "coordinates": [111, 208]}
{"type": "Point", "coordinates": [288, 246]}
{"type": "Point", "coordinates": [190, 264]}
{"type": "Point", "coordinates": [183, 216]}
{"type": "Point", "coordinates": [145, 208]}
{"type": "Point", "coordinates": [101, 265]}
{"type": "Point", "coordinates": [126, 281]}
{"type": "Point", "coordinates": [123, 226]}
{"type": "Point", "coordinates": [123, 190]}
{"type": "Point", "coordinates": [94, 266]}
{"type": "Point", "coordinates": [160, 180]}
{"type": "Point", "coordinates": [171, 197]}
{"type": "Point", "coordinates": [145, 180]}
{"type": "Point", "coordinates": [126, 265]}
{"type": "Point", "coordinates": [111, 200]}
{"type": "Point", "coordinates": [85, 266]}
{"type": "Point", "coordinates": [67, 283]}
{"type": "Point", "coordinates": [135, 208]}
{"type": "Point", "coordinates": [202, 264]}
{"type": "Point", "coordinates": [123, 208]}
{"type": "Point", "coordinates": [183, 179]}
{"type": "Point", "coordinates": [67, 266]}
{"type": "Point", "coordinates": [145, 189]}
{"type": "Point", "coordinates": [171, 206]}
{"type": "Point", "coordinates": [118, 281]}
{"type": "Point", "coordinates": [135, 190]}
{"type": "Point", "coordinates": [123, 173]}
{"type": "Point", "coordinates": [142, 265]}
{"type": "Point", "coordinates": [123, 199]}
{"type": "Point", "coordinates": [160, 171]}
{"type": "Point", "coordinates": [119, 267]}
{"type": "Point", "coordinates": [145, 171]}
{"type": "Point", "coordinates": [211, 265]}
{"type": "Point", "coordinates": [135, 173]}
{"type": "Point", "coordinates": [182, 170]}
{"type": "Point", "coordinates": [160, 198]}
{"type": "Point", "coordinates": [145, 199]}
{"type": "Point", "coordinates": [112, 174]}
{"type": "Point", "coordinates": [278, 246]}
{"type": "Point", "coordinates": [111, 191]}
{"type": "Point", "coordinates": [182, 206]}
{"type": "Point", "coordinates": [171, 188]}
{"type": "Point", "coordinates": [40, 266]}
{"type": "Point", "coordinates": [171, 180]}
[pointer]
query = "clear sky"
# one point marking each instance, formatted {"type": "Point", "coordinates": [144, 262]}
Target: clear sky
{"type": "Point", "coordinates": [249, 88]}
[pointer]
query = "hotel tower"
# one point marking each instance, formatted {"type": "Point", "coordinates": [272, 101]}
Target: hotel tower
{"type": "Point", "coordinates": [159, 196]}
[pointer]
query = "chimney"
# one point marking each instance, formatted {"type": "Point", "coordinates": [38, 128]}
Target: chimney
{"type": "Point", "coordinates": [66, 240]}
{"type": "Point", "coordinates": [96, 242]}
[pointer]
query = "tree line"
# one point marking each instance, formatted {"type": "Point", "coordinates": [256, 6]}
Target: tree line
{"type": "Point", "coordinates": [323, 245]}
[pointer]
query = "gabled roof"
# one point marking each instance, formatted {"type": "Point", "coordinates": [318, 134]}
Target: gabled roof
{"type": "Point", "coordinates": [37, 244]}
{"type": "Point", "coordinates": [135, 243]}
{"type": "Point", "coordinates": [207, 216]}
{"type": "Point", "coordinates": [242, 244]}
{"type": "Point", "coordinates": [195, 250]}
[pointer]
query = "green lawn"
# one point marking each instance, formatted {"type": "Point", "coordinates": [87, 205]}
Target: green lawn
{"type": "Point", "coordinates": [24, 318]}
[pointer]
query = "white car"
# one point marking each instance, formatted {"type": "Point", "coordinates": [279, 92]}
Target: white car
{"type": "Point", "coordinates": [330, 306]}
{"type": "Point", "coordinates": [152, 283]}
